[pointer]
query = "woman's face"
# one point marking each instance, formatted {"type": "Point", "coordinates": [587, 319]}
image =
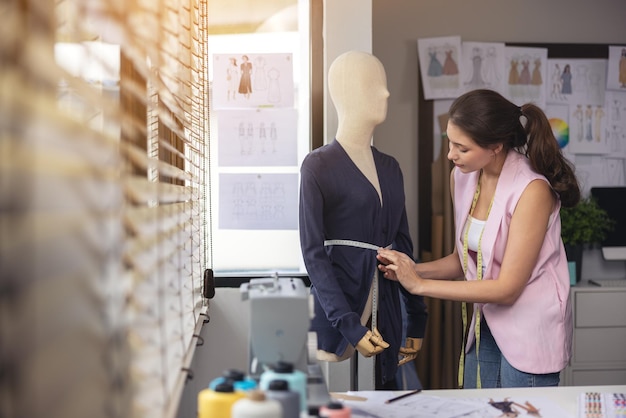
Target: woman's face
{"type": "Point", "coordinates": [466, 154]}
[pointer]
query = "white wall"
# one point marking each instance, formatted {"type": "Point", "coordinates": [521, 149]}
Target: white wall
{"type": "Point", "coordinates": [347, 26]}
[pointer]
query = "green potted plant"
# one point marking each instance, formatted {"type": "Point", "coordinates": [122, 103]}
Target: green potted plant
{"type": "Point", "coordinates": [583, 225]}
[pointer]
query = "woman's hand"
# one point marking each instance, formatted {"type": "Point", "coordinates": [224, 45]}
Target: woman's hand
{"type": "Point", "coordinates": [388, 273]}
{"type": "Point", "coordinates": [399, 267]}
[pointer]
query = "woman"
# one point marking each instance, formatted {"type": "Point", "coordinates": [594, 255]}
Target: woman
{"type": "Point", "coordinates": [508, 184]}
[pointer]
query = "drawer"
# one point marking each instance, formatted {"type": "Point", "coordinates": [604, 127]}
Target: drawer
{"type": "Point", "coordinates": [600, 345]}
{"type": "Point", "coordinates": [600, 309]}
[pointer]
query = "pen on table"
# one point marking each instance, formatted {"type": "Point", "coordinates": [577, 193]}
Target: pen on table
{"type": "Point", "coordinates": [397, 398]}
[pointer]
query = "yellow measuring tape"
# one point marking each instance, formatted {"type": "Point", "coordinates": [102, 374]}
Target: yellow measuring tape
{"type": "Point", "coordinates": [479, 276]}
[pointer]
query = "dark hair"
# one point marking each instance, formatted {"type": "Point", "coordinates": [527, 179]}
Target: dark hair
{"type": "Point", "coordinates": [490, 119]}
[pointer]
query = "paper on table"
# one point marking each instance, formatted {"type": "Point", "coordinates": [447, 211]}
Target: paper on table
{"type": "Point", "coordinates": [426, 406]}
{"type": "Point", "coordinates": [601, 405]}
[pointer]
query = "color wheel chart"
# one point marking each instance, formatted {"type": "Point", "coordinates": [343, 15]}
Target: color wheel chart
{"type": "Point", "coordinates": [560, 128]}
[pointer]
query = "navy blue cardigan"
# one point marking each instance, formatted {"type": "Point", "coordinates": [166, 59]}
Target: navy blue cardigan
{"type": "Point", "coordinates": [337, 201]}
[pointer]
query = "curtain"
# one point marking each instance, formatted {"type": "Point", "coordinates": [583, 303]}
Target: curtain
{"type": "Point", "coordinates": [102, 197]}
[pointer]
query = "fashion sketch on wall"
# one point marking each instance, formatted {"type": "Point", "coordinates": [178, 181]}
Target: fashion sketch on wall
{"type": "Point", "coordinates": [257, 137]}
{"type": "Point", "coordinates": [584, 98]}
{"type": "Point", "coordinates": [439, 63]}
{"type": "Point", "coordinates": [615, 103]}
{"type": "Point", "coordinates": [258, 201]}
{"type": "Point", "coordinates": [580, 84]}
{"type": "Point", "coordinates": [482, 66]}
{"type": "Point", "coordinates": [616, 72]}
{"type": "Point", "coordinates": [577, 80]}
{"type": "Point", "coordinates": [526, 75]}
{"type": "Point", "coordinates": [246, 80]}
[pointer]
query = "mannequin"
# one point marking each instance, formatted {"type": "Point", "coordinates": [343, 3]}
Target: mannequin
{"type": "Point", "coordinates": [351, 191]}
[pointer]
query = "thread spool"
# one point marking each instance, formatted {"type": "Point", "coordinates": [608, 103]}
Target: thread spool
{"type": "Point", "coordinates": [256, 405]}
{"type": "Point", "coordinates": [285, 371]}
{"type": "Point", "coordinates": [290, 400]}
{"type": "Point", "coordinates": [335, 410]}
{"type": "Point", "coordinates": [218, 402]}
{"type": "Point", "coordinates": [238, 378]}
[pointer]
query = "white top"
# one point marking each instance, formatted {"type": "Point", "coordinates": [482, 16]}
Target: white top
{"type": "Point", "coordinates": [476, 227]}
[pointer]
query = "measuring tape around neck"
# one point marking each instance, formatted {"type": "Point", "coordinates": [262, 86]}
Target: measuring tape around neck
{"type": "Point", "coordinates": [479, 276]}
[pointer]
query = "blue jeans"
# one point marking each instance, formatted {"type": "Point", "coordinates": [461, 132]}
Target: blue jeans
{"type": "Point", "coordinates": [495, 371]}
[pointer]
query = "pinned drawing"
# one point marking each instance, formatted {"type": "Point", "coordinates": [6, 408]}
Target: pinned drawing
{"type": "Point", "coordinates": [616, 123]}
{"type": "Point", "coordinates": [483, 66]}
{"type": "Point", "coordinates": [527, 75]}
{"type": "Point", "coordinates": [246, 80]}
{"type": "Point", "coordinates": [439, 60]}
{"type": "Point", "coordinates": [258, 201]}
{"type": "Point", "coordinates": [577, 81]}
{"type": "Point", "coordinates": [588, 129]}
{"type": "Point", "coordinates": [616, 71]}
{"type": "Point", "coordinates": [257, 137]}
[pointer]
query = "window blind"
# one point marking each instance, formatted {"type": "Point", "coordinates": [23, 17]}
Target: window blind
{"type": "Point", "coordinates": [103, 220]}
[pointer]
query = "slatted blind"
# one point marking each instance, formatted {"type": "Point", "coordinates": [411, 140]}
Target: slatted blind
{"type": "Point", "coordinates": [103, 213]}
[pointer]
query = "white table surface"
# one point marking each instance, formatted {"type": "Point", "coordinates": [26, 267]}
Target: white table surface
{"type": "Point", "coordinates": [564, 396]}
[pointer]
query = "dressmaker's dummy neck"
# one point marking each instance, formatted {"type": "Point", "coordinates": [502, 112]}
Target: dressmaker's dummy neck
{"type": "Point", "coordinates": [358, 88]}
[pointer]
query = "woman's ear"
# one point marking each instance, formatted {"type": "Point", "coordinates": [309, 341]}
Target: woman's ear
{"type": "Point", "coordinates": [497, 148]}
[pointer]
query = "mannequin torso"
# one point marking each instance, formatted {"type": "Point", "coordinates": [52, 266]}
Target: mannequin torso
{"type": "Point", "coordinates": [341, 198]}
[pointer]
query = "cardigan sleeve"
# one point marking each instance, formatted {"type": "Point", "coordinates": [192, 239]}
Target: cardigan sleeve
{"type": "Point", "coordinates": [318, 264]}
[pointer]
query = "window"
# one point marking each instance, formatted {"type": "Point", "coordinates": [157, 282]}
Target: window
{"type": "Point", "coordinates": [258, 139]}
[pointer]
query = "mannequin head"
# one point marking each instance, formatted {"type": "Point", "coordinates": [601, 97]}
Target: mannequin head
{"type": "Point", "coordinates": [358, 88]}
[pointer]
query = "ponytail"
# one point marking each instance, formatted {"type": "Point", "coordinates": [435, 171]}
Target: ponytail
{"type": "Point", "coordinates": [546, 157]}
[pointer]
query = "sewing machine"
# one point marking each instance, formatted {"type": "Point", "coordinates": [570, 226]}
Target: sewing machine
{"type": "Point", "coordinates": [280, 315]}
{"type": "Point", "coordinates": [279, 322]}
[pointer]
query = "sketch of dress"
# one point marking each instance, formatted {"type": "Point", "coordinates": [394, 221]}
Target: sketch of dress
{"type": "Point", "coordinates": [622, 69]}
{"type": "Point", "coordinates": [566, 80]}
{"type": "Point", "coordinates": [615, 110]}
{"type": "Point", "coordinates": [588, 123]}
{"type": "Point", "coordinates": [262, 136]}
{"type": "Point", "coordinates": [536, 79]}
{"type": "Point", "coordinates": [581, 80]}
{"type": "Point", "coordinates": [524, 76]}
{"type": "Point", "coordinates": [477, 76]}
{"type": "Point", "coordinates": [232, 79]}
{"type": "Point", "coordinates": [249, 137]}
{"type": "Point", "coordinates": [260, 81]}
{"type": "Point", "coordinates": [245, 83]}
{"type": "Point", "coordinates": [513, 73]}
{"type": "Point", "coordinates": [597, 125]}
{"type": "Point", "coordinates": [450, 66]}
{"type": "Point", "coordinates": [273, 91]}
{"type": "Point", "coordinates": [242, 138]}
{"type": "Point", "coordinates": [490, 73]}
{"type": "Point", "coordinates": [615, 137]}
{"type": "Point", "coordinates": [435, 69]}
{"type": "Point", "coordinates": [273, 135]}
{"type": "Point", "coordinates": [578, 115]}
{"type": "Point", "coordinates": [556, 83]}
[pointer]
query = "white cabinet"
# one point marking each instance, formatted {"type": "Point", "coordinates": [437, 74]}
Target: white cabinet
{"type": "Point", "coordinates": [599, 345]}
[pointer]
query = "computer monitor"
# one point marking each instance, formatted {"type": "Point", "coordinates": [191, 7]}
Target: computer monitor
{"type": "Point", "coordinates": [613, 201]}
